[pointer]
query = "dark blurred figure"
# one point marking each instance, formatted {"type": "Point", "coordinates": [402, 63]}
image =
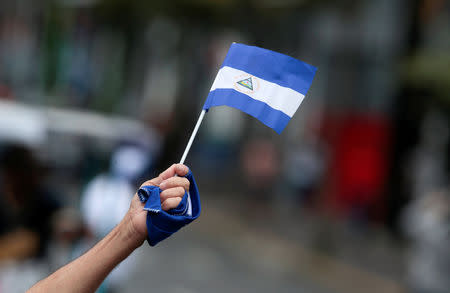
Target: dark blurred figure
{"type": "Point", "coordinates": [26, 207]}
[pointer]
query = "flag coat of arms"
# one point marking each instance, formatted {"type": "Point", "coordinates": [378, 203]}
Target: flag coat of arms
{"type": "Point", "coordinates": [267, 85]}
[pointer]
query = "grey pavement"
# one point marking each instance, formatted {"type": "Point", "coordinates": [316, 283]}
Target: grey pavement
{"type": "Point", "coordinates": [187, 264]}
{"type": "Point", "coordinates": [225, 251]}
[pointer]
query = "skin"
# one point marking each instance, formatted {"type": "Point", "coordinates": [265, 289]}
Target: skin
{"type": "Point", "coordinates": [86, 273]}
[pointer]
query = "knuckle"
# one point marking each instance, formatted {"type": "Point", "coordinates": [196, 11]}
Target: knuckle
{"type": "Point", "coordinates": [174, 202]}
{"type": "Point", "coordinates": [169, 203]}
{"type": "Point", "coordinates": [181, 168]}
{"type": "Point", "coordinates": [180, 191]}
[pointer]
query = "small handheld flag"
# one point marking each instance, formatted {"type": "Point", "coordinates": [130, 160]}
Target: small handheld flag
{"type": "Point", "coordinates": [267, 85]}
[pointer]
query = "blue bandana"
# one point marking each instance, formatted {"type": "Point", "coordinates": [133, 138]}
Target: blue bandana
{"type": "Point", "coordinates": [162, 224]}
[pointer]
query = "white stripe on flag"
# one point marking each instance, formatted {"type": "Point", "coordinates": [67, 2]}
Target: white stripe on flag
{"type": "Point", "coordinates": [278, 97]}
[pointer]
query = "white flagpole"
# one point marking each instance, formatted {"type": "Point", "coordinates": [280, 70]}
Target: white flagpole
{"type": "Point", "coordinates": [194, 133]}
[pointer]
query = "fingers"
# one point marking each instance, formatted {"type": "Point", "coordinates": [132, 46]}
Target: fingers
{"type": "Point", "coordinates": [172, 192]}
{"type": "Point", "coordinates": [170, 203]}
{"type": "Point", "coordinates": [173, 188]}
{"type": "Point", "coordinates": [175, 169]}
{"type": "Point", "coordinates": [175, 182]}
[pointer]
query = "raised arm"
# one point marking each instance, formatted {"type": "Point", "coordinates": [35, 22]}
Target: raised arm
{"type": "Point", "coordinates": [86, 273]}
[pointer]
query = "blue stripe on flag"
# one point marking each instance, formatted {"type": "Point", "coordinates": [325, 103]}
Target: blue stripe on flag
{"type": "Point", "coordinates": [271, 66]}
{"type": "Point", "coordinates": [269, 116]}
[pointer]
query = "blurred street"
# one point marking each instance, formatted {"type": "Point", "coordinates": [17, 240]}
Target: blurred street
{"type": "Point", "coordinates": [227, 252]}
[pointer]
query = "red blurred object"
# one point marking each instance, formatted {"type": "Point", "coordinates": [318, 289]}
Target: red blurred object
{"type": "Point", "coordinates": [358, 172]}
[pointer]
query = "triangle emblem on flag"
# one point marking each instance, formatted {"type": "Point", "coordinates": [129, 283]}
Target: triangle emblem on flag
{"type": "Point", "coordinates": [247, 83]}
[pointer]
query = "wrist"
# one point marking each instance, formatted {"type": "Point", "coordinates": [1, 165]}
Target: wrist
{"type": "Point", "coordinates": [129, 235]}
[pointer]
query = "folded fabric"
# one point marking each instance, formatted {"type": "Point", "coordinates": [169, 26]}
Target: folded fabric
{"type": "Point", "coordinates": [162, 224]}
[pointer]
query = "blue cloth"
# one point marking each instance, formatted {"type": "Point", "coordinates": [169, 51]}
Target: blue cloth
{"type": "Point", "coordinates": [267, 85]}
{"type": "Point", "coordinates": [162, 224]}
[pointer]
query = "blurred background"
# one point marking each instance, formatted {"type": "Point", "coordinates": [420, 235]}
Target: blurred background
{"type": "Point", "coordinates": [97, 95]}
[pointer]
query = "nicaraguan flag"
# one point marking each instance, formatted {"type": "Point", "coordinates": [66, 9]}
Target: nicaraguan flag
{"type": "Point", "coordinates": [267, 85]}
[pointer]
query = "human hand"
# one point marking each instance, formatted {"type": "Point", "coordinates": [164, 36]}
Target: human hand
{"type": "Point", "coordinates": [173, 189]}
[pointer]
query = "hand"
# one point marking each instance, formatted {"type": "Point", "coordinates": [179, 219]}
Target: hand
{"type": "Point", "coordinates": [173, 189]}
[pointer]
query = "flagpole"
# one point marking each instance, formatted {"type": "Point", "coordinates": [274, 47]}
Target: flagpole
{"type": "Point", "coordinates": [194, 133]}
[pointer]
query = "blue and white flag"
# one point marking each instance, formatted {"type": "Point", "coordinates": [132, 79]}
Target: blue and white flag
{"type": "Point", "coordinates": [267, 85]}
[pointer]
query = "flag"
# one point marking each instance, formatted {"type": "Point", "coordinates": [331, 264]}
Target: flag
{"type": "Point", "coordinates": [267, 85]}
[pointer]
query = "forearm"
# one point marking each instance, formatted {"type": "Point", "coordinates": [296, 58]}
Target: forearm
{"type": "Point", "coordinates": [86, 273]}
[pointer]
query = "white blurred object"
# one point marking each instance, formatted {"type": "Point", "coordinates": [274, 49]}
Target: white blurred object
{"type": "Point", "coordinates": [105, 202]}
{"type": "Point", "coordinates": [70, 121]}
{"type": "Point", "coordinates": [19, 124]}
{"type": "Point", "coordinates": [426, 219]}
{"type": "Point", "coordinates": [31, 125]}
{"type": "Point", "coordinates": [129, 162]}
{"type": "Point", "coordinates": [427, 223]}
